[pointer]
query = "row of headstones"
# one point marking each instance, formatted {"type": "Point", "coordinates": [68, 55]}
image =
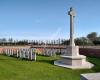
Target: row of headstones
{"type": "Point", "coordinates": [52, 52]}
{"type": "Point", "coordinates": [29, 53]}
{"type": "Point", "coordinates": [21, 53]}
{"type": "Point", "coordinates": [49, 52]}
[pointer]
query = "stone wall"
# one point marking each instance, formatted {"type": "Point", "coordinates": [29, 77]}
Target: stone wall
{"type": "Point", "coordinates": [90, 52]}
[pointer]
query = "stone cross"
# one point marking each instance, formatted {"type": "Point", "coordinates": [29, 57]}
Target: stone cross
{"type": "Point", "coordinates": [72, 15]}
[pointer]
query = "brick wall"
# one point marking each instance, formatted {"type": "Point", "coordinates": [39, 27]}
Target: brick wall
{"type": "Point", "coordinates": [90, 52]}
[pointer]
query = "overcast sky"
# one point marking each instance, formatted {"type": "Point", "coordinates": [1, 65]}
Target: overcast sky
{"type": "Point", "coordinates": [47, 19]}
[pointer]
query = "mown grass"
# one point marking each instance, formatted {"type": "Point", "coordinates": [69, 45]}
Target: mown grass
{"type": "Point", "coordinates": [42, 69]}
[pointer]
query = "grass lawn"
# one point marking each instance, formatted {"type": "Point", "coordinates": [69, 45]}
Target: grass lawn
{"type": "Point", "coordinates": [43, 69]}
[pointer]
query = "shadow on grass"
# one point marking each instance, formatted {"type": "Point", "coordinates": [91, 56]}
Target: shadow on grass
{"type": "Point", "coordinates": [96, 61]}
{"type": "Point", "coordinates": [14, 58]}
{"type": "Point", "coordinates": [46, 61]}
{"type": "Point", "coordinates": [8, 59]}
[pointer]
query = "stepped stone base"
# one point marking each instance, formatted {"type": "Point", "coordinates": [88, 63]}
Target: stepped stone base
{"type": "Point", "coordinates": [73, 60]}
{"type": "Point", "coordinates": [87, 65]}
